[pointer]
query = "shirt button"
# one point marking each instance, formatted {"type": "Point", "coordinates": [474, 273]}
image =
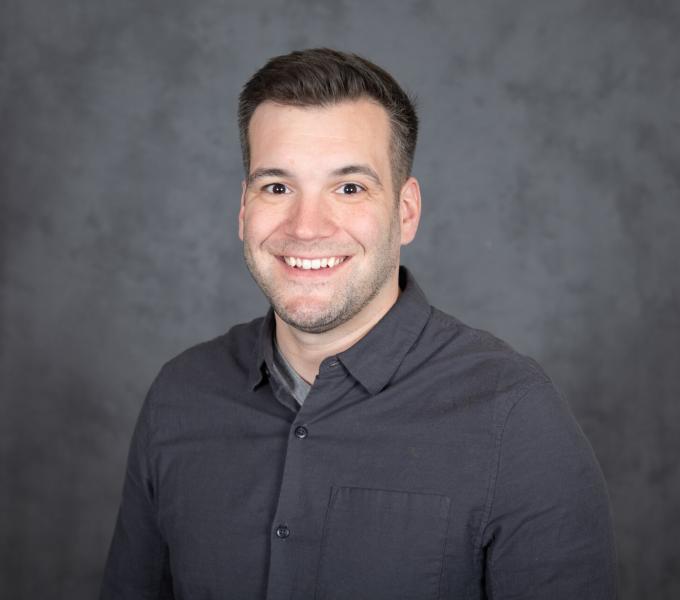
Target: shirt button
{"type": "Point", "coordinates": [282, 532]}
{"type": "Point", "coordinates": [334, 363]}
{"type": "Point", "coordinates": [301, 432]}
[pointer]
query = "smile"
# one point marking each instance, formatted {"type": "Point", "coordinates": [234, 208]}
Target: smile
{"type": "Point", "coordinates": [313, 263]}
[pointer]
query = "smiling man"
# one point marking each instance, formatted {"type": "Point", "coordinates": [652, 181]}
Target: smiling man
{"type": "Point", "coordinates": [322, 223]}
{"type": "Point", "coordinates": [355, 443]}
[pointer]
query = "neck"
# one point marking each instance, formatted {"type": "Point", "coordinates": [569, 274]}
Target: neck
{"type": "Point", "coordinates": [305, 351]}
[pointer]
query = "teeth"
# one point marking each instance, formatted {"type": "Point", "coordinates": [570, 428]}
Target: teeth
{"type": "Point", "coordinates": [313, 263]}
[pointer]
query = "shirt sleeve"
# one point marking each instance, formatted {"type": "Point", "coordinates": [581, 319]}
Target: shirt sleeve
{"type": "Point", "coordinates": [549, 532]}
{"type": "Point", "coordinates": [138, 564]}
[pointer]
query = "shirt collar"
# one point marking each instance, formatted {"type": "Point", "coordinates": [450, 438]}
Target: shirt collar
{"type": "Point", "coordinates": [375, 358]}
{"type": "Point", "coordinates": [263, 351]}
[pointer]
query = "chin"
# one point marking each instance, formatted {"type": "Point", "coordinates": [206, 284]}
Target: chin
{"type": "Point", "coordinates": [311, 319]}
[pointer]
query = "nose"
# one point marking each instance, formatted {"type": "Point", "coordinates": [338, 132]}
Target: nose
{"type": "Point", "coordinates": [310, 218]}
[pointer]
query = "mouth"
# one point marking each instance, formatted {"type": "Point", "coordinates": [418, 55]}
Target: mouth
{"type": "Point", "coordinates": [313, 264]}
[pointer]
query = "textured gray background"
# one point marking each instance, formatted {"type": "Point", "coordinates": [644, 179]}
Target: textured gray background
{"type": "Point", "coordinates": [550, 167]}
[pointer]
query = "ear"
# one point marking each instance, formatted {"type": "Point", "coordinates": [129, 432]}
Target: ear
{"type": "Point", "coordinates": [242, 209]}
{"type": "Point", "coordinates": [409, 209]}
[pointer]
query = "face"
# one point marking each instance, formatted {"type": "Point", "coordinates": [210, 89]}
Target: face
{"type": "Point", "coordinates": [320, 220]}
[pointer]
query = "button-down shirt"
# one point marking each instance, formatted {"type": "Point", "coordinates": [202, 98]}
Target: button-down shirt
{"type": "Point", "coordinates": [429, 461]}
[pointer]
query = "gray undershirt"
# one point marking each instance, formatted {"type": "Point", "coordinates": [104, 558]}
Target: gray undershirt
{"type": "Point", "coordinates": [288, 376]}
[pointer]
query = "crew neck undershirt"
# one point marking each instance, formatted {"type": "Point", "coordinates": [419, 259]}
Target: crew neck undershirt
{"type": "Point", "coordinates": [288, 376]}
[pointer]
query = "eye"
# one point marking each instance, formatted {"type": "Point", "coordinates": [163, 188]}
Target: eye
{"type": "Point", "coordinates": [276, 188]}
{"type": "Point", "coordinates": [350, 188]}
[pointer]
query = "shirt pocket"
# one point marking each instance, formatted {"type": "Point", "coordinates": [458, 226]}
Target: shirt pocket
{"type": "Point", "coordinates": [382, 544]}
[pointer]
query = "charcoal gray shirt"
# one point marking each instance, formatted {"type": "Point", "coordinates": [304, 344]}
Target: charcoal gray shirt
{"type": "Point", "coordinates": [429, 461]}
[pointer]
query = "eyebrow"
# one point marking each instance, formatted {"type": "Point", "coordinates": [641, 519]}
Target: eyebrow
{"type": "Point", "coordinates": [260, 173]}
{"type": "Point", "coordinates": [341, 172]}
{"type": "Point", "coordinates": [357, 170]}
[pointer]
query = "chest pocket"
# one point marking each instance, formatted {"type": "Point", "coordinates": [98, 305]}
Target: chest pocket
{"type": "Point", "coordinates": [380, 544]}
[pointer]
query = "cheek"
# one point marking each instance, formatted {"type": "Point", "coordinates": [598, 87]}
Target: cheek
{"type": "Point", "coordinates": [370, 228]}
{"type": "Point", "coordinates": [259, 222]}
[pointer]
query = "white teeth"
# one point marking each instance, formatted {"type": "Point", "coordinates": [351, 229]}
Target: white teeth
{"type": "Point", "coordinates": [313, 263]}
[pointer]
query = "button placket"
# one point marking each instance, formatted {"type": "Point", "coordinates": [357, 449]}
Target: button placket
{"type": "Point", "coordinates": [289, 523]}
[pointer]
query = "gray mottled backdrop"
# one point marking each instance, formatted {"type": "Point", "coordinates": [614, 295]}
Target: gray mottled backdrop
{"type": "Point", "coordinates": [550, 166]}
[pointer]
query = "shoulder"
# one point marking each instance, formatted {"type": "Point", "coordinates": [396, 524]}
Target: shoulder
{"type": "Point", "coordinates": [528, 414]}
{"type": "Point", "coordinates": [212, 363]}
{"type": "Point", "coordinates": [478, 364]}
{"type": "Point", "coordinates": [527, 409]}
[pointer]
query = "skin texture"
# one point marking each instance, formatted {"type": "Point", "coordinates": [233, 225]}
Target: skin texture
{"type": "Point", "coordinates": [320, 185]}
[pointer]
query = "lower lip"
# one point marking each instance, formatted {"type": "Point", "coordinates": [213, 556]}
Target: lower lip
{"type": "Point", "coordinates": [321, 272]}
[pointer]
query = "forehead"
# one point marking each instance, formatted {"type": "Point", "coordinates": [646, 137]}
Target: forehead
{"type": "Point", "coordinates": [347, 130]}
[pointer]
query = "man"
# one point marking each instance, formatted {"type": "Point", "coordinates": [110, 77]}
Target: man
{"type": "Point", "coordinates": [355, 443]}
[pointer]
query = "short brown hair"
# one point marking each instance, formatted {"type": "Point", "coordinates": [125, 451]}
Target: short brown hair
{"type": "Point", "coordinates": [322, 77]}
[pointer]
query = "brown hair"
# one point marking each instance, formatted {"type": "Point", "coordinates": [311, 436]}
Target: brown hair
{"type": "Point", "coordinates": [322, 77]}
